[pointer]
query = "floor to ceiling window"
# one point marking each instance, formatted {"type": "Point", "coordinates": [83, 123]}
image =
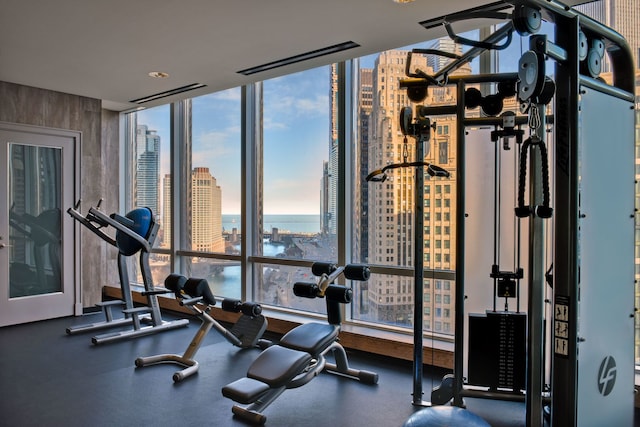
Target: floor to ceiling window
{"type": "Point", "coordinates": [147, 161]}
{"type": "Point", "coordinates": [211, 214]}
{"type": "Point", "coordinates": [298, 208]}
{"type": "Point", "coordinates": [292, 198]}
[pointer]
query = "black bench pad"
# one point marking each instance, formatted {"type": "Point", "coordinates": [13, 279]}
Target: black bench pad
{"type": "Point", "coordinates": [312, 337]}
{"type": "Point", "coordinates": [277, 365]}
{"type": "Point", "coordinates": [245, 390]}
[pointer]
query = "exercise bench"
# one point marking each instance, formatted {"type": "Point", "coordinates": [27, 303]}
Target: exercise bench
{"type": "Point", "coordinates": [301, 354]}
{"type": "Point", "coordinates": [135, 234]}
{"type": "Point", "coordinates": [196, 295]}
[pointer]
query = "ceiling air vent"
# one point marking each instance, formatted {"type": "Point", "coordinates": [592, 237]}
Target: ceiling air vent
{"type": "Point", "coordinates": [299, 58]}
{"type": "Point", "coordinates": [168, 93]}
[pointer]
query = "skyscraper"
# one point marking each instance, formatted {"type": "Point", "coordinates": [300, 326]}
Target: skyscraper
{"type": "Point", "coordinates": [391, 204]}
{"type": "Point", "coordinates": [166, 211]}
{"type": "Point", "coordinates": [147, 169]}
{"type": "Point", "coordinates": [365, 104]}
{"type": "Point", "coordinates": [206, 218]}
{"type": "Point", "coordinates": [332, 171]}
{"type": "Point", "coordinates": [325, 216]}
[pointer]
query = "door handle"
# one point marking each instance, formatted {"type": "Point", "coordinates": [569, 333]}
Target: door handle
{"type": "Point", "coordinates": [2, 245]}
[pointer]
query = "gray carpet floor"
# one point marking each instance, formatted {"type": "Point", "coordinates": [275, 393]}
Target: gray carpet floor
{"type": "Point", "coordinates": [49, 378]}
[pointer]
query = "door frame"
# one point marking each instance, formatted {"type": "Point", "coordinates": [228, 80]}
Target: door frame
{"type": "Point", "coordinates": [72, 273]}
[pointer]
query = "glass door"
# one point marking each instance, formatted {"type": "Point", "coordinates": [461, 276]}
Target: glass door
{"type": "Point", "coordinates": [37, 184]}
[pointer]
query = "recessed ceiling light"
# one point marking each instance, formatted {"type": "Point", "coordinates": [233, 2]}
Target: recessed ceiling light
{"type": "Point", "coordinates": [158, 75]}
{"type": "Point", "coordinates": [403, 1]}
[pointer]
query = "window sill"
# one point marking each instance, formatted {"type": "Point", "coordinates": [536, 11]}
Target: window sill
{"type": "Point", "coordinates": [352, 336]}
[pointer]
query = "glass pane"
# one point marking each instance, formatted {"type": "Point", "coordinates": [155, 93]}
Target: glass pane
{"type": "Point", "coordinates": [34, 215]}
{"type": "Point", "coordinates": [300, 165]}
{"type": "Point", "coordinates": [509, 57]}
{"type": "Point", "coordinates": [223, 276]}
{"type": "Point", "coordinates": [277, 288]}
{"type": "Point", "coordinates": [384, 216]}
{"type": "Point", "coordinates": [150, 161]}
{"type": "Point", "coordinates": [149, 158]}
{"type": "Point", "coordinates": [300, 178]}
{"type": "Point", "coordinates": [216, 168]}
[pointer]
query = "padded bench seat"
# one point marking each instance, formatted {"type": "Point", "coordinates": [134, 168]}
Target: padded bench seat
{"type": "Point", "coordinates": [245, 390]}
{"type": "Point", "coordinates": [274, 367]}
{"type": "Point", "coordinates": [312, 338]}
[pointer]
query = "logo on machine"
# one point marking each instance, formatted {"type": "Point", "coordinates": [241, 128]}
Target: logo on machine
{"type": "Point", "coordinates": [607, 375]}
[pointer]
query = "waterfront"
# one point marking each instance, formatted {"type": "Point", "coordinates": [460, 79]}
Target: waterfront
{"type": "Point", "coordinates": [284, 223]}
{"type": "Point", "coordinates": [299, 238]}
{"type": "Point", "coordinates": [226, 281]}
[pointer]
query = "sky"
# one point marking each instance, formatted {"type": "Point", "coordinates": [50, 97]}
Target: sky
{"type": "Point", "coordinates": [296, 136]}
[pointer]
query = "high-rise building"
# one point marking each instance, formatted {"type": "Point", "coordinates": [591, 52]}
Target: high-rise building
{"type": "Point", "coordinates": [332, 171]}
{"type": "Point", "coordinates": [391, 204]}
{"type": "Point", "coordinates": [437, 62]}
{"type": "Point", "coordinates": [206, 215]}
{"type": "Point", "coordinates": [166, 211]}
{"type": "Point", "coordinates": [361, 222]}
{"type": "Point", "coordinates": [325, 216]}
{"type": "Point", "coordinates": [621, 15]}
{"type": "Point", "coordinates": [147, 169]}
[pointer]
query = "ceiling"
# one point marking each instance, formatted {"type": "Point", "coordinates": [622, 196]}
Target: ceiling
{"type": "Point", "coordinates": [105, 49]}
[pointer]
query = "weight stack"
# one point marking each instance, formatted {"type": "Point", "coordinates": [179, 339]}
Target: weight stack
{"type": "Point", "coordinates": [497, 350]}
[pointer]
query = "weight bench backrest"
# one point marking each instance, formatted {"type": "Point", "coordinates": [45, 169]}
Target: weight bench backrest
{"type": "Point", "coordinates": [312, 338]}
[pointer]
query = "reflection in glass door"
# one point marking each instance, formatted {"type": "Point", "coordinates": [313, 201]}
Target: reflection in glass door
{"type": "Point", "coordinates": [37, 183]}
{"type": "Point", "coordinates": [34, 219]}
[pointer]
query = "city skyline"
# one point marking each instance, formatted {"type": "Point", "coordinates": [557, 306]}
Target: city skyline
{"type": "Point", "coordinates": [297, 137]}
{"type": "Point", "coordinates": [297, 109]}
{"type": "Point", "coordinates": [293, 138]}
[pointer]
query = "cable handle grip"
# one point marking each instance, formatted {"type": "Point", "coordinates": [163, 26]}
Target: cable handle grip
{"type": "Point", "coordinates": [544, 210]}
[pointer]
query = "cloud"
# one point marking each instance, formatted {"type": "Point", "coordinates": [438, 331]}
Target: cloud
{"type": "Point", "coordinates": [233, 94]}
{"type": "Point", "coordinates": [210, 139]}
{"type": "Point", "coordinates": [319, 103]}
{"type": "Point", "coordinates": [288, 99]}
{"type": "Point", "coordinates": [282, 112]}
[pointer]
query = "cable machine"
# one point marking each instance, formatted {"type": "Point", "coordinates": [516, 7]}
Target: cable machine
{"type": "Point", "coordinates": [420, 129]}
{"type": "Point", "coordinates": [587, 236]}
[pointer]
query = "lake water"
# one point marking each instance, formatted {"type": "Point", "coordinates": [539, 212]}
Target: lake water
{"type": "Point", "coordinates": [290, 223]}
{"type": "Point", "coordinates": [228, 282]}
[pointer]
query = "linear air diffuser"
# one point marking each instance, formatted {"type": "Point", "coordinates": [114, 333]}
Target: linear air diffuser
{"type": "Point", "coordinates": [299, 58]}
{"type": "Point", "coordinates": [168, 93]}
